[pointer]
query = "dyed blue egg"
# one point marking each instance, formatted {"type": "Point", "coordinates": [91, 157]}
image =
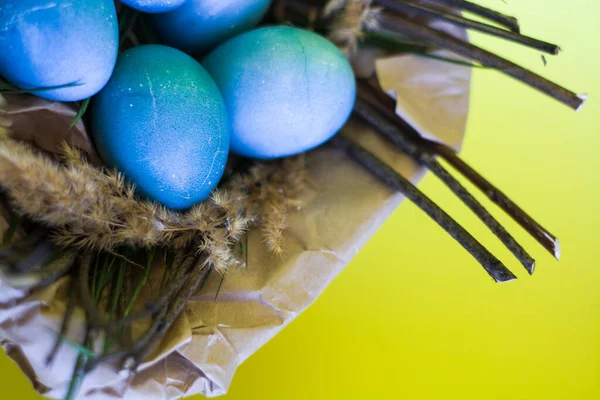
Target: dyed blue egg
{"type": "Point", "coordinates": [200, 25]}
{"type": "Point", "coordinates": [287, 90]}
{"type": "Point", "coordinates": [153, 6]}
{"type": "Point", "coordinates": [162, 122]}
{"type": "Point", "coordinates": [58, 43]}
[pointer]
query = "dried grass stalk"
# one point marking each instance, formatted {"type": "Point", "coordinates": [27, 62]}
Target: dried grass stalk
{"type": "Point", "coordinates": [93, 209]}
{"type": "Point", "coordinates": [346, 29]}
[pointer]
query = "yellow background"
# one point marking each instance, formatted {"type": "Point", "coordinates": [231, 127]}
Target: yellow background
{"type": "Point", "coordinates": [413, 316]}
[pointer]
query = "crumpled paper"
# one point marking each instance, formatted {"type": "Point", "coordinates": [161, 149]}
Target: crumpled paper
{"type": "Point", "coordinates": [215, 335]}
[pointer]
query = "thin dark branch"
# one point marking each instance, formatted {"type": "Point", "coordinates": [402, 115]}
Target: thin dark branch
{"type": "Point", "coordinates": [80, 369]}
{"type": "Point", "coordinates": [177, 305]}
{"type": "Point", "coordinates": [395, 181]}
{"type": "Point", "coordinates": [419, 154]}
{"type": "Point", "coordinates": [539, 233]}
{"type": "Point", "coordinates": [39, 255]}
{"type": "Point", "coordinates": [386, 105]}
{"type": "Point", "coordinates": [55, 270]}
{"type": "Point", "coordinates": [393, 25]}
{"type": "Point", "coordinates": [492, 223]}
{"type": "Point", "coordinates": [505, 20]}
{"type": "Point", "coordinates": [130, 357]}
{"type": "Point", "coordinates": [66, 321]}
{"type": "Point", "coordinates": [42, 277]}
{"type": "Point", "coordinates": [410, 7]}
{"type": "Point", "coordinates": [95, 318]}
{"type": "Point", "coordinates": [177, 280]}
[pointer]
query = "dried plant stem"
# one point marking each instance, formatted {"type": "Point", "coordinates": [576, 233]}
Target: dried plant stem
{"type": "Point", "coordinates": [505, 20]}
{"type": "Point", "coordinates": [420, 154]}
{"type": "Point", "coordinates": [396, 26]}
{"type": "Point", "coordinates": [126, 354]}
{"type": "Point", "coordinates": [539, 233]}
{"type": "Point", "coordinates": [55, 270]}
{"type": "Point", "coordinates": [80, 369]}
{"type": "Point", "coordinates": [130, 357]}
{"type": "Point", "coordinates": [182, 266]}
{"type": "Point", "coordinates": [37, 256]}
{"type": "Point", "coordinates": [395, 181]}
{"type": "Point", "coordinates": [176, 306]}
{"type": "Point", "coordinates": [46, 275]}
{"type": "Point", "coordinates": [385, 105]}
{"type": "Point", "coordinates": [95, 318]}
{"type": "Point", "coordinates": [411, 7]}
{"type": "Point", "coordinates": [492, 223]}
{"type": "Point", "coordinates": [66, 321]}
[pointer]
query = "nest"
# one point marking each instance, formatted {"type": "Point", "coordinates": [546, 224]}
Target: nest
{"type": "Point", "coordinates": [71, 218]}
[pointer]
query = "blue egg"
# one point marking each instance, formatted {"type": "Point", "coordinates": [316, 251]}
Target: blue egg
{"type": "Point", "coordinates": [200, 25]}
{"type": "Point", "coordinates": [287, 90]}
{"type": "Point", "coordinates": [162, 122]}
{"type": "Point", "coordinates": [58, 43]}
{"type": "Point", "coordinates": [153, 6]}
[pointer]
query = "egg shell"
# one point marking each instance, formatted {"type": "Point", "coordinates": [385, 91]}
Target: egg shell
{"type": "Point", "coordinates": [58, 43]}
{"type": "Point", "coordinates": [287, 90]}
{"type": "Point", "coordinates": [162, 122]}
{"type": "Point", "coordinates": [153, 6]}
{"type": "Point", "coordinates": [200, 25]}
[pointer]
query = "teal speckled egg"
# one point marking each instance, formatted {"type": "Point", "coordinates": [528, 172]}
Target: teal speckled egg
{"type": "Point", "coordinates": [162, 122]}
{"type": "Point", "coordinates": [200, 25]}
{"type": "Point", "coordinates": [58, 43]}
{"type": "Point", "coordinates": [287, 90]}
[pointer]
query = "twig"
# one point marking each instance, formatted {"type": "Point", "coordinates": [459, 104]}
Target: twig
{"type": "Point", "coordinates": [176, 306]}
{"type": "Point", "coordinates": [173, 285]}
{"type": "Point", "coordinates": [39, 255]}
{"type": "Point", "coordinates": [386, 105]}
{"type": "Point", "coordinates": [392, 25]}
{"type": "Point", "coordinates": [66, 321]}
{"type": "Point", "coordinates": [419, 154]}
{"type": "Point", "coordinates": [539, 233]}
{"type": "Point", "coordinates": [395, 181]}
{"type": "Point", "coordinates": [128, 355]}
{"type": "Point", "coordinates": [505, 20]}
{"type": "Point", "coordinates": [125, 354]}
{"type": "Point", "coordinates": [48, 274]}
{"type": "Point", "coordinates": [80, 369]}
{"type": "Point", "coordinates": [410, 7]}
{"type": "Point", "coordinates": [95, 318]}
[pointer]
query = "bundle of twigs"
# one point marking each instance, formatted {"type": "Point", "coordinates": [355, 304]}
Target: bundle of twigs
{"type": "Point", "coordinates": [70, 218]}
{"type": "Point", "coordinates": [406, 23]}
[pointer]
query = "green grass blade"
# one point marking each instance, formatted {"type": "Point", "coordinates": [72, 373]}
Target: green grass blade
{"type": "Point", "coordinates": [205, 280]}
{"type": "Point", "coordinates": [168, 262]}
{"type": "Point", "coordinates": [84, 106]}
{"type": "Point", "coordinates": [220, 285]}
{"type": "Point", "coordinates": [80, 348]}
{"type": "Point", "coordinates": [128, 28]}
{"type": "Point", "coordinates": [118, 289]}
{"type": "Point", "coordinates": [106, 274]}
{"type": "Point", "coordinates": [95, 277]}
{"type": "Point", "coordinates": [141, 283]}
{"type": "Point", "coordinates": [79, 370]}
{"type": "Point", "coordinates": [9, 88]}
{"type": "Point", "coordinates": [246, 249]}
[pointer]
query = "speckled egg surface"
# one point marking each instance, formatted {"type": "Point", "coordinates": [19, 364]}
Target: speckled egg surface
{"type": "Point", "coordinates": [200, 25]}
{"type": "Point", "coordinates": [153, 6]}
{"type": "Point", "coordinates": [58, 43]}
{"type": "Point", "coordinates": [162, 122]}
{"type": "Point", "coordinates": [287, 90]}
